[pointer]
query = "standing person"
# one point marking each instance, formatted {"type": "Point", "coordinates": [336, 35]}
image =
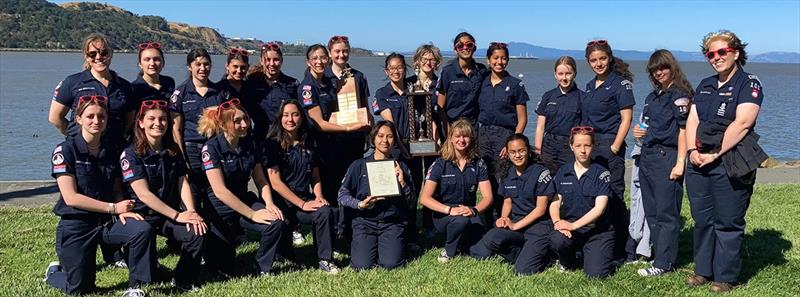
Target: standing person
{"type": "Point", "coordinates": [728, 101]}
{"type": "Point", "coordinates": [426, 61]}
{"type": "Point", "coordinates": [379, 222]}
{"type": "Point", "coordinates": [186, 105]}
{"type": "Point", "coordinates": [460, 84]}
{"type": "Point", "coordinates": [97, 78]}
{"type": "Point", "coordinates": [150, 84]}
{"type": "Point", "coordinates": [607, 106]}
{"type": "Point", "coordinates": [451, 188]}
{"type": "Point", "coordinates": [503, 112]}
{"type": "Point", "coordinates": [236, 66]}
{"type": "Point", "coordinates": [293, 170]}
{"type": "Point", "coordinates": [558, 111]}
{"type": "Point", "coordinates": [318, 93]}
{"type": "Point", "coordinates": [522, 233]}
{"type": "Point", "coordinates": [579, 213]}
{"type": "Point", "coordinates": [85, 167]}
{"type": "Point", "coordinates": [229, 160]}
{"type": "Point", "coordinates": [662, 133]}
{"type": "Point", "coordinates": [155, 174]}
{"type": "Point", "coordinates": [268, 88]}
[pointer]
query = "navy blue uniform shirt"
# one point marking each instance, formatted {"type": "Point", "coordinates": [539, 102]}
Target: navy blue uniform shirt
{"type": "Point", "coordinates": [666, 112]}
{"type": "Point", "coordinates": [355, 188]}
{"type": "Point", "coordinates": [600, 106]}
{"type": "Point", "coordinates": [523, 189]}
{"type": "Point", "coordinates": [119, 93]}
{"type": "Point", "coordinates": [313, 93]}
{"type": "Point", "coordinates": [498, 103]}
{"type": "Point", "coordinates": [162, 172]}
{"type": "Point", "coordinates": [562, 111]}
{"type": "Point", "coordinates": [295, 165]}
{"type": "Point", "coordinates": [387, 98]}
{"type": "Point", "coordinates": [225, 85]}
{"type": "Point", "coordinates": [578, 195]}
{"type": "Point", "coordinates": [188, 103]}
{"type": "Point", "coordinates": [143, 91]}
{"type": "Point", "coordinates": [461, 90]}
{"type": "Point", "coordinates": [95, 176]}
{"type": "Point", "coordinates": [236, 165]}
{"type": "Point", "coordinates": [712, 102]}
{"type": "Point", "coordinates": [264, 100]}
{"type": "Point", "coordinates": [455, 186]}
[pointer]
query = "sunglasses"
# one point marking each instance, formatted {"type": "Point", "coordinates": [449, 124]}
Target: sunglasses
{"type": "Point", "coordinates": [237, 51]}
{"type": "Point", "coordinates": [149, 44]}
{"type": "Point", "coordinates": [720, 52]}
{"type": "Point", "coordinates": [270, 46]}
{"type": "Point", "coordinates": [498, 44]}
{"type": "Point", "coordinates": [228, 105]}
{"type": "Point", "coordinates": [337, 38]}
{"type": "Point", "coordinates": [582, 130]}
{"type": "Point", "coordinates": [104, 53]}
{"type": "Point", "coordinates": [597, 42]}
{"type": "Point", "coordinates": [465, 46]}
{"type": "Point", "coordinates": [151, 104]}
{"type": "Point", "coordinates": [99, 99]}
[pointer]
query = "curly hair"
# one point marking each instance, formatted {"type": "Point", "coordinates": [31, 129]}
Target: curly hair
{"type": "Point", "coordinates": [733, 42]}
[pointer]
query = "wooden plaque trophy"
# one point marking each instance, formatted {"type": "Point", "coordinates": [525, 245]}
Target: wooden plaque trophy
{"type": "Point", "coordinates": [350, 109]}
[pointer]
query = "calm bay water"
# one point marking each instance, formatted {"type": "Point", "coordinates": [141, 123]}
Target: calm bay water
{"type": "Point", "coordinates": [27, 81]}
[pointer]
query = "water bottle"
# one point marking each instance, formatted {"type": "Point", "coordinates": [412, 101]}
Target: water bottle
{"type": "Point", "coordinates": [643, 125]}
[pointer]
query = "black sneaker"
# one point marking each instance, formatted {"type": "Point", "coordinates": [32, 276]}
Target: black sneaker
{"type": "Point", "coordinates": [184, 287]}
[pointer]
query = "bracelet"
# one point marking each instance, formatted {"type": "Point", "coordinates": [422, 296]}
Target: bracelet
{"type": "Point", "coordinates": [556, 222]}
{"type": "Point", "coordinates": [112, 208]}
{"type": "Point", "coordinates": [689, 152]}
{"type": "Point", "coordinates": [175, 218]}
{"type": "Point", "coordinates": [474, 211]}
{"type": "Point", "coordinates": [302, 205]}
{"type": "Point", "coordinates": [448, 210]}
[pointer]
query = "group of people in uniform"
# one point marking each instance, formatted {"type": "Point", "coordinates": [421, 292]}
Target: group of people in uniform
{"type": "Point", "coordinates": [154, 158]}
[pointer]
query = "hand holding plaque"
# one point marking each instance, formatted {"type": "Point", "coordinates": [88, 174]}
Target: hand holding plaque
{"type": "Point", "coordinates": [350, 109]}
{"type": "Point", "coordinates": [382, 178]}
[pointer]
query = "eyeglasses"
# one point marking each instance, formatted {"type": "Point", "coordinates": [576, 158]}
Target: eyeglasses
{"type": "Point", "coordinates": [104, 53]}
{"type": "Point", "coordinates": [498, 44]}
{"type": "Point", "coordinates": [428, 60]}
{"type": "Point", "coordinates": [323, 59]}
{"type": "Point", "coordinates": [464, 46]}
{"type": "Point", "coordinates": [337, 38]}
{"type": "Point", "coordinates": [151, 104]}
{"type": "Point", "coordinates": [237, 51]}
{"type": "Point", "coordinates": [395, 69]}
{"type": "Point", "coordinates": [99, 99]}
{"type": "Point", "coordinates": [720, 52]}
{"type": "Point", "coordinates": [597, 42]}
{"type": "Point", "coordinates": [270, 46]}
{"type": "Point", "coordinates": [582, 130]}
{"type": "Point", "coordinates": [149, 44]}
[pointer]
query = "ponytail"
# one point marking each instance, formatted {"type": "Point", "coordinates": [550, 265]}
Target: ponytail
{"type": "Point", "coordinates": [208, 125]}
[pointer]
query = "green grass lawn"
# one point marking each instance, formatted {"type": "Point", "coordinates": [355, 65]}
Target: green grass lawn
{"type": "Point", "coordinates": [771, 265]}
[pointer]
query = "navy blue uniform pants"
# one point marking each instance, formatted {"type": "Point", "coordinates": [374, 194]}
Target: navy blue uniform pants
{"type": "Point", "coordinates": [661, 198]}
{"type": "Point", "coordinates": [718, 206]}
{"type": "Point", "coordinates": [460, 232]}
{"type": "Point", "coordinates": [597, 244]}
{"type": "Point", "coordinates": [556, 152]}
{"type": "Point", "coordinates": [527, 249]}
{"type": "Point", "coordinates": [491, 140]}
{"type": "Point", "coordinates": [376, 241]}
{"type": "Point", "coordinates": [191, 249]}
{"type": "Point", "coordinates": [198, 181]}
{"type": "Point", "coordinates": [336, 154]}
{"type": "Point", "coordinates": [76, 246]}
{"type": "Point", "coordinates": [624, 245]}
{"type": "Point", "coordinates": [322, 221]}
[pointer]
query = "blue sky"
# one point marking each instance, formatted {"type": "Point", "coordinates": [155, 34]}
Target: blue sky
{"type": "Point", "coordinates": [403, 25]}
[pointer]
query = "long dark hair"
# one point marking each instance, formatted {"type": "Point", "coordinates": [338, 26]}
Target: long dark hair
{"type": "Point", "coordinates": [505, 164]}
{"type": "Point", "coordinates": [663, 59]}
{"type": "Point", "coordinates": [277, 133]}
{"type": "Point", "coordinates": [616, 64]}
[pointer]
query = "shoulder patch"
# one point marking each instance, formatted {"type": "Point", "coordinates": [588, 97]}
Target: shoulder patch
{"type": "Point", "coordinates": [174, 97]}
{"type": "Point", "coordinates": [306, 87]}
{"type": "Point", "coordinates": [122, 156]}
{"type": "Point", "coordinates": [755, 77]}
{"type": "Point", "coordinates": [55, 92]}
{"type": "Point", "coordinates": [544, 177]}
{"type": "Point", "coordinates": [375, 106]}
{"type": "Point", "coordinates": [58, 149]}
{"type": "Point", "coordinates": [58, 159]}
{"type": "Point", "coordinates": [124, 164]}
{"type": "Point", "coordinates": [206, 156]}
{"type": "Point", "coordinates": [683, 105]}
{"type": "Point", "coordinates": [628, 84]}
{"type": "Point", "coordinates": [307, 97]}
{"type": "Point", "coordinates": [605, 176]}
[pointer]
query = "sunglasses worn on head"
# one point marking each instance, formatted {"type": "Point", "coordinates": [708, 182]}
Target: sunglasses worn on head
{"type": "Point", "coordinates": [149, 44]}
{"type": "Point", "coordinates": [152, 104]}
{"type": "Point", "coordinates": [582, 129]}
{"type": "Point", "coordinates": [270, 46]}
{"type": "Point", "coordinates": [103, 53]}
{"type": "Point", "coordinates": [100, 99]}
{"type": "Point", "coordinates": [337, 38]}
{"type": "Point", "coordinates": [499, 44]}
{"type": "Point", "coordinates": [465, 45]}
{"type": "Point", "coordinates": [228, 105]}
{"type": "Point", "coordinates": [597, 42]}
{"type": "Point", "coordinates": [234, 51]}
{"type": "Point", "coordinates": [720, 52]}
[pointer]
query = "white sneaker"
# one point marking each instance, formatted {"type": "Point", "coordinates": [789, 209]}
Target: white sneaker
{"type": "Point", "coordinates": [443, 257]}
{"type": "Point", "coordinates": [133, 292]}
{"type": "Point", "coordinates": [652, 271]}
{"type": "Point", "coordinates": [297, 238]}
{"type": "Point", "coordinates": [328, 266]}
{"type": "Point", "coordinates": [121, 264]}
{"type": "Point", "coordinates": [51, 268]}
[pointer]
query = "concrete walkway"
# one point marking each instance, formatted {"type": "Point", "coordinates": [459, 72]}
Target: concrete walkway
{"type": "Point", "coordinates": [45, 192]}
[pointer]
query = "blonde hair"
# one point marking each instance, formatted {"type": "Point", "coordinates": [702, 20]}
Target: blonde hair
{"type": "Point", "coordinates": [460, 127]}
{"type": "Point", "coordinates": [213, 122]}
{"type": "Point", "coordinates": [424, 49]}
{"type": "Point", "coordinates": [92, 38]}
{"type": "Point", "coordinates": [729, 37]}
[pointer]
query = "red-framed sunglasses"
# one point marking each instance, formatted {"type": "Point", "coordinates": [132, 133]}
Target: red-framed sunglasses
{"type": "Point", "coordinates": [597, 42]}
{"type": "Point", "coordinates": [499, 44]}
{"type": "Point", "coordinates": [270, 46]}
{"type": "Point", "coordinates": [228, 105]}
{"type": "Point", "coordinates": [152, 104]}
{"type": "Point", "coordinates": [465, 45]}
{"type": "Point", "coordinates": [240, 51]}
{"type": "Point", "coordinates": [720, 52]}
{"type": "Point", "coordinates": [149, 44]}
{"type": "Point", "coordinates": [100, 99]}
{"type": "Point", "coordinates": [582, 130]}
{"type": "Point", "coordinates": [337, 38]}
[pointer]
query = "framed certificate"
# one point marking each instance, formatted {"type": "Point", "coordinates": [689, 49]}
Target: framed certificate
{"type": "Point", "coordinates": [382, 179]}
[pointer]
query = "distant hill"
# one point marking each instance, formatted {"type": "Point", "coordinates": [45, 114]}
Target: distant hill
{"type": "Point", "coordinates": [38, 24]}
{"type": "Point", "coordinates": [523, 49]}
